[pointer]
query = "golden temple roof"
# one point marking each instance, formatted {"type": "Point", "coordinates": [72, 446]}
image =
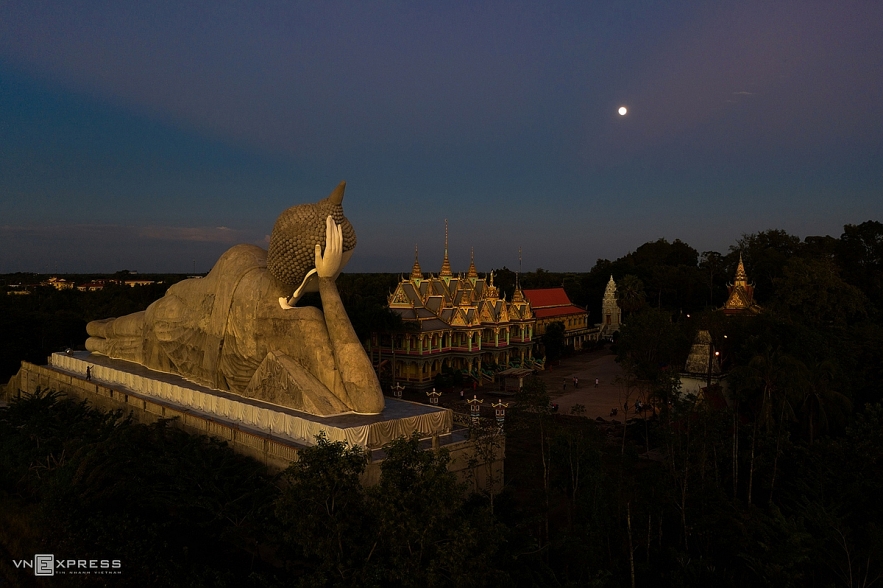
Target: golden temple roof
{"type": "Point", "coordinates": [741, 298]}
{"type": "Point", "coordinates": [456, 301]}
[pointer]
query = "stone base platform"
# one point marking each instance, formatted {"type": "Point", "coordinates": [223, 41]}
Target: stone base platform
{"type": "Point", "coordinates": [257, 429]}
{"type": "Point", "coordinates": [399, 418]}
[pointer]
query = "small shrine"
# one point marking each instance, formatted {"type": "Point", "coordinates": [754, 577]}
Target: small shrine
{"type": "Point", "coordinates": [741, 298]}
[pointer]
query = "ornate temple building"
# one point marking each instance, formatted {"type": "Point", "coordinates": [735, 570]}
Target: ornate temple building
{"type": "Point", "coordinates": [460, 323]}
{"type": "Point", "coordinates": [552, 305]}
{"type": "Point", "coordinates": [741, 299]}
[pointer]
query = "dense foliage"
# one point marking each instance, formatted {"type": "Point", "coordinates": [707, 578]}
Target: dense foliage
{"type": "Point", "coordinates": [185, 510]}
{"type": "Point", "coordinates": [175, 509]}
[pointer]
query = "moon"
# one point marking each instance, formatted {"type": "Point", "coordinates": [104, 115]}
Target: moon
{"type": "Point", "coordinates": [622, 110]}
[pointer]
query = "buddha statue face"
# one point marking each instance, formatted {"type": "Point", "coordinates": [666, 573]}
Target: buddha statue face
{"type": "Point", "coordinates": [297, 230]}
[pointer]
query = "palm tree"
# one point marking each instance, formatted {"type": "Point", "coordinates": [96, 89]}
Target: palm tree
{"type": "Point", "coordinates": [776, 378]}
{"type": "Point", "coordinates": [631, 293]}
{"type": "Point", "coordinates": [821, 401]}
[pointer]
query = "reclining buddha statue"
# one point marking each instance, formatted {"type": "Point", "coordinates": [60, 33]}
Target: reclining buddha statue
{"type": "Point", "coordinates": [237, 329]}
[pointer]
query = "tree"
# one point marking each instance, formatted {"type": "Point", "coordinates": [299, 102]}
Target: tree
{"type": "Point", "coordinates": [324, 512]}
{"type": "Point", "coordinates": [532, 414]}
{"type": "Point", "coordinates": [860, 254]}
{"type": "Point", "coordinates": [712, 262]}
{"type": "Point", "coordinates": [652, 341]}
{"type": "Point", "coordinates": [771, 383]}
{"type": "Point", "coordinates": [630, 291]}
{"type": "Point", "coordinates": [810, 291]}
{"type": "Point", "coordinates": [553, 340]}
{"type": "Point", "coordinates": [823, 406]}
{"type": "Point", "coordinates": [765, 255]}
{"type": "Point", "coordinates": [428, 534]}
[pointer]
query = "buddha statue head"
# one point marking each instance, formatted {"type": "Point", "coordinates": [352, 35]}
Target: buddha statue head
{"type": "Point", "coordinates": [291, 257]}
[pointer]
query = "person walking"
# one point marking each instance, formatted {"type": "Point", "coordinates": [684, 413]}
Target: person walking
{"type": "Point", "coordinates": [596, 382]}
{"type": "Point", "coordinates": [88, 373]}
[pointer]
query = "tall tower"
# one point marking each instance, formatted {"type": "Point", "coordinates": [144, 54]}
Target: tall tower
{"type": "Point", "coordinates": [611, 314]}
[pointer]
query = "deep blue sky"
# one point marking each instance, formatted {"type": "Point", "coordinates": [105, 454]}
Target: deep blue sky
{"type": "Point", "coordinates": [149, 135]}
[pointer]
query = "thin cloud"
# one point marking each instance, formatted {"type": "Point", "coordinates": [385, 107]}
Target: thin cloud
{"type": "Point", "coordinates": [744, 93]}
{"type": "Point", "coordinates": [97, 232]}
{"type": "Point", "coordinates": [201, 234]}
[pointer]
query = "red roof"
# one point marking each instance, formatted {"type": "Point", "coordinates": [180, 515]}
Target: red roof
{"type": "Point", "coordinates": [558, 311]}
{"type": "Point", "coordinates": [543, 297]}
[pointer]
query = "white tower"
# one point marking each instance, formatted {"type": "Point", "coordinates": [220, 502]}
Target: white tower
{"type": "Point", "coordinates": [611, 314]}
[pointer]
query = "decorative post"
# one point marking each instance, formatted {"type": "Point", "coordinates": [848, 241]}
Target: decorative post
{"type": "Point", "coordinates": [397, 390]}
{"type": "Point", "coordinates": [393, 370]}
{"type": "Point", "coordinates": [475, 409]}
{"type": "Point", "coordinates": [500, 407]}
{"type": "Point", "coordinates": [433, 396]}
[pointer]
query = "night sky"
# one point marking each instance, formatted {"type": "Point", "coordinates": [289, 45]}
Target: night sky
{"type": "Point", "coordinates": [153, 135]}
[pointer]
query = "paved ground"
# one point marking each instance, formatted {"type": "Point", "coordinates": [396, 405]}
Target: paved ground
{"type": "Point", "coordinates": [598, 401]}
{"type": "Point", "coordinates": [587, 366]}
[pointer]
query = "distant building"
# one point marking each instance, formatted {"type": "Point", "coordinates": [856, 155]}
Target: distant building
{"type": "Point", "coordinates": [461, 323]}
{"type": "Point", "coordinates": [553, 305]}
{"type": "Point", "coordinates": [133, 283]}
{"type": "Point", "coordinates": [58, 283]}
{"type": "Point", "coordinates": [95, 285]}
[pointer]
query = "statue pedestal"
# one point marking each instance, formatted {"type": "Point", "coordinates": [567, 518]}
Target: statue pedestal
{"type": "Point", "coordinates": [270, 434]}
{"type": "Point", "coordinates": [399, 418]}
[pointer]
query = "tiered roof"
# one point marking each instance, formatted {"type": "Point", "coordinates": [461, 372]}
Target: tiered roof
{"type": "Point", "coordinates": [448, 300]}
{"type": "Point", "coordinates": [741, 298]}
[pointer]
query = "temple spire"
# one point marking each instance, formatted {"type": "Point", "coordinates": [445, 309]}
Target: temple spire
{"type": "Point", "coordinates": [741, 298]}
{"type": "Point", "coordinates": [741, 276]}
{"type": "Point", "coordinates": [416, 272]}
{"type": "Point", "coordinates": [472, 273]}
{"type": "Point", "coordinates": [446, 265]}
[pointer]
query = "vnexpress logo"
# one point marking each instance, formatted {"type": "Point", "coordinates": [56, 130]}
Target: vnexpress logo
{"type": "Point", "coordinates": [45, 564]}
